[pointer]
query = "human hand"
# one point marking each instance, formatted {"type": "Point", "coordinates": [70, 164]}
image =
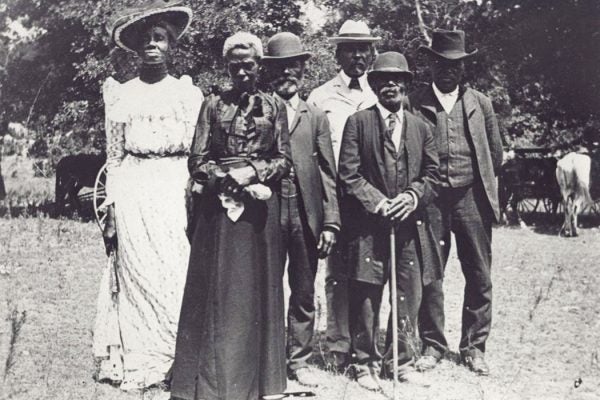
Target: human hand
{"type": "Point", "coordinates": [110, 237]}
{"type": "Point", "coordinates": [197, 188]}
{"type": "Point", "coordinates": [400, 207]}
{"type": "Point", "coordinates": [242, 176]}
{"type": "Point", "coordinates": [327, 240]}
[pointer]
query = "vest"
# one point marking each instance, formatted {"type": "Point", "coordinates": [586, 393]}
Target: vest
{"type": "Point", "coordinates": [396, 169]}
{"type": "Point", "coordinates": [455, 149]}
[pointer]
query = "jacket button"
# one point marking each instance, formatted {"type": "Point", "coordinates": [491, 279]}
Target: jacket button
{"type": "Point", "coordinates": [411, 263]}
{"type": "Point", "coordinates": [419, 222]}
{"type": "Point", "coordinates": [401, 298]}
{"type": "Point", "coordinates": [368, 259]}
{"type": "Point", "coordinates": [442, 243]}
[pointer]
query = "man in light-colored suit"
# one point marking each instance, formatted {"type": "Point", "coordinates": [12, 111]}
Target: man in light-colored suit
{"type": "Point", "coordinates": [342, 96]}
{"type": "Point", "coordinates": [310, 217]}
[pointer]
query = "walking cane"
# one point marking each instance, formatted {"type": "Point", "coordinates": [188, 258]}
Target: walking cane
{"type": "Point", "coordinates": [394, 291]}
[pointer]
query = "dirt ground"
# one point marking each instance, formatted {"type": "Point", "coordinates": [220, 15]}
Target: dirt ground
{"type": "Point", "coordinates": [544, 341]}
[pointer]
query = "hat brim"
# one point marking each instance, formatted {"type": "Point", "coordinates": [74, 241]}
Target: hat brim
{"type": "Point", "coordinates": [179, 17]}
{"type": "Point", "coordinates": [303, 56]}
{"type": "Point", "coordinates": [354, 39]}
{"type": "Point", "coordinates": [458, 55]}
{"type": "Point", "coordinates": [390, 71]}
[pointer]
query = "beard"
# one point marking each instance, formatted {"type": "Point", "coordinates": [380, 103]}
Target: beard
{"type": "Point", "coordinates": [286, 87]}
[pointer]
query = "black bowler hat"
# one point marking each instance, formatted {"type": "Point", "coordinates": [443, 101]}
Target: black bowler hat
{"type": "Point", "coordinates": [284, 46]}
{"type": "Point", "coordinates": [123, 27]}
{"type": "Point", "coordinates": [448, 44]}
{"type": "Point", "coordinates": [390, 62]}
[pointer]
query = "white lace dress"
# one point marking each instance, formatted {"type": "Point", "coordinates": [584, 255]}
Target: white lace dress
{"type": "Point", "coordinates": [149, 132]}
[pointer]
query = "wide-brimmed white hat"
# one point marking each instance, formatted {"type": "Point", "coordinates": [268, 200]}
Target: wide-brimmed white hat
{"type": "Point", "coordinates": [354, 32]}
{"type": "Point", "coordinates": [123, 26]}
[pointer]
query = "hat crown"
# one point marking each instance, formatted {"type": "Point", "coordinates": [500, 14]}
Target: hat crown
{"type": "Point", "coordinates": [448, 41]}
{"type": "Point", "coordinates": [284, 44]}
{"type": "Point", "coordinates": [354, 28]}
{"type": "Point", "coordinates": [390, 60]}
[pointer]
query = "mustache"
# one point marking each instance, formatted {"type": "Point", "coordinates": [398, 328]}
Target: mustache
{"type": "Point", "coordinates": [286, 79]}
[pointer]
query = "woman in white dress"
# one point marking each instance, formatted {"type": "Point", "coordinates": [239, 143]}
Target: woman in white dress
{"type": "Point", "coordinates": [150, 124]}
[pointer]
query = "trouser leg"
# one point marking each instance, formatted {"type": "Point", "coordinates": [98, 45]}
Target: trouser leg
{"type": "Point", "coordinates": [431, 312]}
{"type": "Point", "coordinates": [364, 306]}
{"type": "Point", "coordinates": [409, 294]}
{"type": "Point", "coordinates": [302, 269]}
{"type": "Point", "coordinates": [336, 292]}
{"type": "Point", "coordinates": [472, 227]}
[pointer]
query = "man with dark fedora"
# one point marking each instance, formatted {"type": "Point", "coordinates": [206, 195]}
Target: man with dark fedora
{"type": "Point", "coordinates": [470, 152]}
{"type": "Point", "coordinates": [310, 217]}
{"type": "Point", "coordinates": [388, 173]}
{"type": "Point", "coordinates": [340, 97]}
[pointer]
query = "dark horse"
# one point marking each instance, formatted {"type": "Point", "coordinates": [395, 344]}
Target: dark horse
{"type": "Point", "coordinates": [72, 174]}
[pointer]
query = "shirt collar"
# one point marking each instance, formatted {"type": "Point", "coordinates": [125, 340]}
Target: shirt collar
{"type": "Point", "coordinates": [385, 113]}
{"type": "Point", "coordinates": [439, 94]}
{"type": "Point", "coordinates": [362, 80]}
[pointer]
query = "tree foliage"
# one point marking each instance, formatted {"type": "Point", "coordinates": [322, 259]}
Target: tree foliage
{"type": "Point", "coordinates": [538, 59]}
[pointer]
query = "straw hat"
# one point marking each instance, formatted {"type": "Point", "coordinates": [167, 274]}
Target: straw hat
{"type": "Point", "coordinates": [123, 28]}
{"type": "Point", "coordinates": [354, 32]}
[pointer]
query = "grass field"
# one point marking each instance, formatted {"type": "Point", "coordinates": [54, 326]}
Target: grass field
{"type": "Point", "coordinates": [544, 337]}
{"type": "Point", "coordinates": [544, 342]}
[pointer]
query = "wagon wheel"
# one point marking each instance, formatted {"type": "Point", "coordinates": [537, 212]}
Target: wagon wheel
{"type": "Point", "coordinates": [527, 205]}
{"type": "Point", "coordinates": [100, 196]}
{"type": "Point", "coordinates": [550, 204]}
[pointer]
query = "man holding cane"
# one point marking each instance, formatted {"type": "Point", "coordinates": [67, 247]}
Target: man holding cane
{"type": "Point", "coordinates": [388, 172]}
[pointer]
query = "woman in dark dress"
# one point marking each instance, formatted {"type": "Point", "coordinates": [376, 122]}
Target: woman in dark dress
{"type": "Point", "coordinates": [231, 339]}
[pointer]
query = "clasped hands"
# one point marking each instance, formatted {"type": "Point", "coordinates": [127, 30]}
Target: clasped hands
{"type": "Point", "coordinates": [232, 182]}
{"type": "Point", "coordinates": [398, 208]}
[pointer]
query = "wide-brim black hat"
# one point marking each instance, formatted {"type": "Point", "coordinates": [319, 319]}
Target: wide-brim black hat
{"type": "Point", "coordinates": [448, 44]}
{"type": "Point", "coordinates": [124, 27]}
{"type": "Point", "coordinates": [285, 46]}
{"type": "Point", "coordinates": [390, 62]}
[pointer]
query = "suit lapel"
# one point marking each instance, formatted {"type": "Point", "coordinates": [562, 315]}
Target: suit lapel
{"type": "Point", "coordinates": [410, 143]}
{"type": "Point", "coordinates": [300, 114]}
{"type": "Point", "coordinates": [429, 105]}
{"type": "Point", "coordinates": [376, 134]}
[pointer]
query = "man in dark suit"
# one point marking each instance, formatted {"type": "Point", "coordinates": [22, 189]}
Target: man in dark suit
{"type": "Point", "coordinates": [470, 152]}
{"type": "Point", "coordinates": [309, 209]}
{"type": "Point", "coordinates": [388, 173]}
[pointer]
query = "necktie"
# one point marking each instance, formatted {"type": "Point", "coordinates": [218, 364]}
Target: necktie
{"type": "Point", "coordinates": [390, 131]}
{"type": "Point", "coordinates": [354, 84]}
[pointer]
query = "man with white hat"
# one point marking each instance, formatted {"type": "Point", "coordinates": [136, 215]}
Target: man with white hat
{"type": "Point", "coordinates": [342, 96]}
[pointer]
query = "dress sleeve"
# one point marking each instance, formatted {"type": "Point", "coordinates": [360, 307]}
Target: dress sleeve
{"type": "Point", "coordinates": [201, 163]}
{"type": "Point", "coordinates": [115, 135]}
{"type": "Point", "coordinates": [273, 168]}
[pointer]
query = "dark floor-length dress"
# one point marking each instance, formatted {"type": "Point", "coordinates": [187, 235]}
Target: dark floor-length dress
{"type": "Point", "coordinates": [231, 339]}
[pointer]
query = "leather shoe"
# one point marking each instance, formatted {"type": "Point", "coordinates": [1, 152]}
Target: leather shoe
{"type": "Point", "coordinates": [426, 363]}
{"type": "Point", "coordinates": [306, 376]}
{"type": "Point", "coordinates": [477, 364]}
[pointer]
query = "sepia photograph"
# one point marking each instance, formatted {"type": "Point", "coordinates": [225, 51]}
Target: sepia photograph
{"type": "Point", "coordinates": [280, 199]}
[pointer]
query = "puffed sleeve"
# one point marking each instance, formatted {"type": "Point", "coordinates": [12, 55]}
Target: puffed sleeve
{"type": "Point", "coordinates": [277, 164]}
{"type": "Point", "coordinates": [115, 119]}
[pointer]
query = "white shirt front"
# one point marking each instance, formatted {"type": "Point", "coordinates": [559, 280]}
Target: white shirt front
{"type": "Point", "coordinates": [362, 81]}
{"type": "Point", "coordinates": [399, 117]}
{"type": "Point", "coordinates": [447, 100]}
{"type": "Point", "coordinates": [291, 106]}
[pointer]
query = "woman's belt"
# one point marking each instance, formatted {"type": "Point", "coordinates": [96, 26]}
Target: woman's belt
{"type": "Point", "coordinates": [157, 155]}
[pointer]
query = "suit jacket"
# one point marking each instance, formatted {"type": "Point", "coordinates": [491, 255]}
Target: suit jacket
{"type": "Point", "coordinates": [314, 165]}
{"type": "Point", "coordinates": [364, 240]}
{"type": "Point", "coordinates": [482, 130]}
{"type": "Point", "coordinates": [335, 99]}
